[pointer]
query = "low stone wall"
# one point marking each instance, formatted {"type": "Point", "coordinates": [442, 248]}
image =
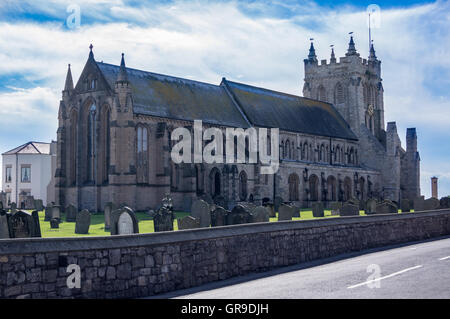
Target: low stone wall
{"type": "Point", "coordinates": [147, 264]}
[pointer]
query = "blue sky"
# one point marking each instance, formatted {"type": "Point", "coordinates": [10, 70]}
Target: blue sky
{"type": "Point", "coordinates": [257, 42]}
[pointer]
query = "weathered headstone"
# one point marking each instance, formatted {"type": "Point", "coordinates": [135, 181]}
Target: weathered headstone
{"type": "Point", "coordinates": [54, 223]}
{"type": "Point", "coordinates": [260, 214]}
{"type": "Point", "coordinates": [24, 225]}
{"type": "Point", "coordinates": [83, 222]}
{"type": "Point", "coordinates": [188, 222]}
{"type": "Point", "coordinates": [371, 207]}
{"type": "Point", "coordinates": [431, 204]}
{"type": "Point", "coordinates": [336, 208]}
{"type": "Point", "coordinates": [405, 205]}
{"type": "Point", "coordinates": [121, 225]}
{"type": "Point", "coordinates": [4, 229]}
{"type": "Point", "coordinates": [349, 209]}
{"type": "Point", "coordinates": [271, 208]}
{"type": "Point", "coordinates": [387, 207]}
{"type": "Point", "coordinates": [200, 210]}
{"type": "Point", "coordinates": [109, 208]}
{"type": "Point", "coordinates": [219, 217]}
{"type": "Point", "coordinates": [163, 220]}
{"type": "Point", "coordinates": [317, 209]}
{"type": "Point", "coordinates": [48, 212]}
{"type": "Point", "coordinates": [56, 212]}
{"type": "Point", "coordinates": [13, 208]}
{"type": "Point", "coordinates": [71, 213]}
{"type": "Point", "coordinates": [39, 205]}
{"type": "Point", "coordinates": [239, 215]}
{"type": "Point", "coordinates": [284, 212]}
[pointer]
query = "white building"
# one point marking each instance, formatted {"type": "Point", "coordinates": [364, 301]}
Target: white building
{"type": "Point", "coordinates": [27, 170]}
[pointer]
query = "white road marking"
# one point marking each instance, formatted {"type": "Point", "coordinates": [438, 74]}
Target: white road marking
{"type": "Point", "coordinates": [444, 258]}
{"type": "Point", "coordinates": [388, 276]}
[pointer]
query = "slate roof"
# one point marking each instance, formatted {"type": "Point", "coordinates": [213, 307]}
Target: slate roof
{"type": "Point", "coordinates": [229, 104]}
{"type": "Point", "coordinates": [177, 98]}
{"type": "Point", "coordinates": [266, 108]}
{"type": "Point", "coordinates": [30, 148]}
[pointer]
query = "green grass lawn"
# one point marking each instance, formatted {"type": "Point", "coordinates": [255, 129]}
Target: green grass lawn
{"type": "Point", "coordinates": [67, 229]}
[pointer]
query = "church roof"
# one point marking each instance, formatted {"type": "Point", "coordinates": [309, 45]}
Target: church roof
{"type": "Point", "coordinates": [266, 108]}
{"type": "Point", "coordinates": [183, 99]}
{"type": "Point", "coordinates": [31, 148]}
{"type": "Point", "coordinates": [177, 98]}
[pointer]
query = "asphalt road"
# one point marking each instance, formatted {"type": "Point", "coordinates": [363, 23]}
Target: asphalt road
{"type": "Point", "coordinates": [417, 270]}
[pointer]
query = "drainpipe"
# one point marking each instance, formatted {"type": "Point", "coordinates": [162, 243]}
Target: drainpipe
{"type": "Point", "coordinates": [17, 180]}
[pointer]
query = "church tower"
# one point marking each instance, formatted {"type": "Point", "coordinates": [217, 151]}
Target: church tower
{"type": "Point", "coordinates": [352, 84]}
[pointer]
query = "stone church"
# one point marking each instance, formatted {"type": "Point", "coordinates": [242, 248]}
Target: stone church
{"type": "Point", "coordinates": [115, 124]}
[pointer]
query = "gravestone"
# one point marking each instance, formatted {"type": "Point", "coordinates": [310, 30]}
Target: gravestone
{"type": "Point", "coordinates": [260, 214]}
{"type": "Point", "coordinates": [219, 217]}
{"type": "Point", "coordinates": [387, 207]}
{"type": "Point", "coordinates": [54, 223]}
{"type": "Point", "coordinates": [188, 222]}
{"type": "Point", "coordinates": [371, 207]}
{"type": "Point", "coordinates": [277, 203]}
{"type": "Point", "coordinates": [122, 225]}
{"type": "Point", "coordinates": [39, 205]}
{"type": "Point", "coordinates": [13, 208]}
{"type": "Point", "coordinates": [200, 210]}
{"type": "Point", "coordinates": [405, 205]}
{"type": "Point", "coordinates": [431, 204]}
{"type": "Point", "coordinates": [109, 208]}
{"type": "Point", "coordinates": [56, 212]}
{"type": "Point", "coordinates": [419, 204]}
{"type": "Point", "coordinates": [349, 209]}
{"type": "Point", "coordinates": [239, 215]}
{"type": "Point", "coordinates": [271, 208]}
{"type": "Point", "coordinates": [3, 200]}
{"type": "Point", "coordinates": [284, 212]}
{"type": "Point", "coordinates": [336, 208]}
{"type": "Point", "coordinates": [48, 213]}
{"type": "Point", "coordinates": [444, 202]}
{"type": "Point", "coordinates": [4, 229]}
{"type": "Point", "coordinates": [71, 213]}
{"type": "Point", "coordinates": [317, 209]}
{"type": "Point", "coordinates": [163, 220]}
{"type": "Point", "coordinates": [24, 225]}
{"type": "Point", "coordinates": [83, 222]}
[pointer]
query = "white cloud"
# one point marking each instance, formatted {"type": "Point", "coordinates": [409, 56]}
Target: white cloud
{"type": "Point", "coordinates": [207, 40]}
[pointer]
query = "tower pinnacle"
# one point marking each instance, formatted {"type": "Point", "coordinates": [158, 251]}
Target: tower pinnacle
{"type": "Point", "coordinates": [122, 77]}
{"type": "Point", "coordinates": [312, 53]}
{"type": "Point", "coordinates": [351, 46]}
{"type": "Point", "coordinates": [68, 86]}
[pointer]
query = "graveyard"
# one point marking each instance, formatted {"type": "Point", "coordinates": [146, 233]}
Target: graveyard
{"type": "Point", "coordinates": [67, 225]}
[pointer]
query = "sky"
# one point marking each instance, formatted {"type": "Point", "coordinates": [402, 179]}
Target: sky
{"type": "Point", "coordinates": [261, 43]}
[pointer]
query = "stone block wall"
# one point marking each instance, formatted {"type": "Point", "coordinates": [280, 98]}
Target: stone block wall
{"type": "Point", "coordinates": [147, 264]}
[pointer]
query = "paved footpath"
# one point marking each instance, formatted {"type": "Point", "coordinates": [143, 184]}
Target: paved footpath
{"type": "Point", "coordinates": [416, 270]}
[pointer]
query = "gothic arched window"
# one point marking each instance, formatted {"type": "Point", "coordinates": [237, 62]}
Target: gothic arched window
{"type": "Point", "coordinates": [142, 154]}
{"type": "Point", "coordinates": [91, 137]}
{"type": "Point", "coordinates": [242, 186]}
{"type": "Point", "coordinates": [73, 147]}
{"type": "Point", "coordinates": [105, 143]}
{"type": "Point", "coordinates": [339, 96]}
{"type": "Point", "coordinates": [321, 94]}
{"type": "Point", "coordinates": [293, 187]}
